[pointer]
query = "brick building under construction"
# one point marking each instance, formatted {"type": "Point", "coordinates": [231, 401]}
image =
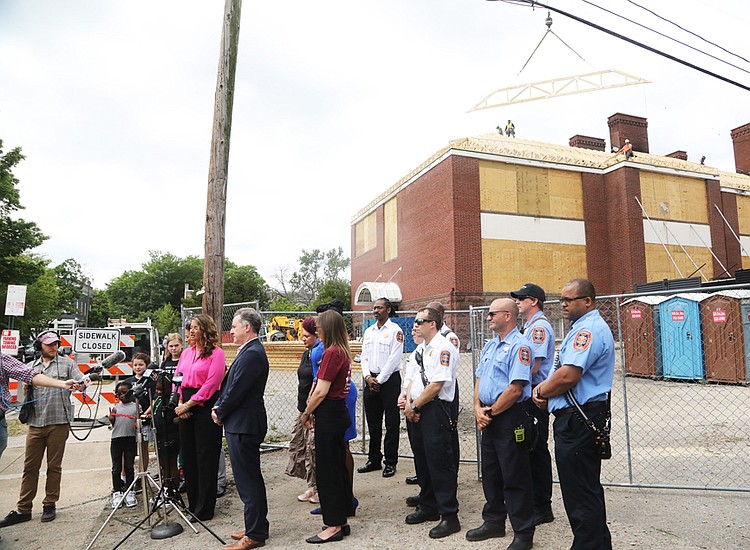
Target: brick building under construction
{"type": "Point", "coordinates": [486, 214]}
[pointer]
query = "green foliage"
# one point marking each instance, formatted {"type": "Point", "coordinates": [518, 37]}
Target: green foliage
{"type": "Point", "coordinates": [101, 309]}
{"type": "Point", "coordinates": [70, 283]}
{"type": "Point", "coordinates": [166, 319]}
{"type": "Point", "coordinates": [316, 268]}
{"type": "Point", "coordinates": [333, 289]}
{"type": "Point", "coordinates": [42, 297]}
{"type": "Point", "coordinates": [283, 304]}
{"type": "Point", "coordinates": [243, 283]}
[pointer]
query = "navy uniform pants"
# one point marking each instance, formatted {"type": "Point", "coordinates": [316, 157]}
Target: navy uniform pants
{"type": "Point", "coordinates": [541, 461]}
{"type": "Point", "coordinates": [579, 468]}
{"type": "Point", "coordinates": [377, 404]}
{"type": "Point", "coordinates": [506, 474]}
{"type": "Point", "coordinates": [433, 453]}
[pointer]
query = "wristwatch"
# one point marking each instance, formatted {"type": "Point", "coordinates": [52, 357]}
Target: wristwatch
{"type": "Point", "coordinates": [539, 394]}
{"type": "Point", "coordinates": [415, 409]}
{"type": "Point", "coordinates": [488, 412]}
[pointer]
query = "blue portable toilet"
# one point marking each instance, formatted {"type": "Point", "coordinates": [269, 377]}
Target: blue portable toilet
{"type": "Point", "coordinates": [745, 305]}
{"type": "Point", "coordinates": [406, 324]}
{"type": "Point", "coordinates": [682, 346]}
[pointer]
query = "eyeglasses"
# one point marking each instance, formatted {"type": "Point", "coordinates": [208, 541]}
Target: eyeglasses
{"type": "Point", "coordinates": [492, 314]}
{"type": "Point", "coordinates": [420, 321]}
{"type": "Point", "coordinates": [565, 300]}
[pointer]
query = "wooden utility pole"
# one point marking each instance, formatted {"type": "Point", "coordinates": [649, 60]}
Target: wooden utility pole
{"type": "Point", "coordinates": [216, 204]}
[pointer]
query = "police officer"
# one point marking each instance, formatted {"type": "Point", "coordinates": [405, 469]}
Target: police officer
{"type": "Point", "coordinates": [585, 366]}
{"type": "Point", "coordinates": [538, 332]}
{"type": "Point", "coordinates": [427, 407]}
{"type": "Point", "coordinates": [382, 348]}
{"type": "Point", "coordinates": [414, 364]}
{"type": "Point", "coordinates": [502, 387]}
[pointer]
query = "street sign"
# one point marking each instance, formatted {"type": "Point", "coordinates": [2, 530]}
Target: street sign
{"type": "Point", "coordinates": [15, 301]}
{"type": "Point", "coordinates": [97, 340]}
{"type": "Point", "coordinates": [10, 341]}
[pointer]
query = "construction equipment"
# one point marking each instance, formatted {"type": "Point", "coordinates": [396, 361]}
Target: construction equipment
{"type": "Point", "coordinates": [282, 328]}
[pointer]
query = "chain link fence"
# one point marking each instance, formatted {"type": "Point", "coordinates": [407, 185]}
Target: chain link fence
{"type": "Point", "coordinates": [680, 397]}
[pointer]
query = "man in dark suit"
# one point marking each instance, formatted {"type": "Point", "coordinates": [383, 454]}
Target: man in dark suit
{"type": "Point", "coordinates": [241, 410]}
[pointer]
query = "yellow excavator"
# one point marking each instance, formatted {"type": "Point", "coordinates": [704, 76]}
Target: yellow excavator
{"type": "Point", "coordinates": [284, 329]}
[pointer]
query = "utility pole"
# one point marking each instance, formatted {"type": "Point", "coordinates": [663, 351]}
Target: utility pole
{"type": "Point", "coordinates": [216, 204]}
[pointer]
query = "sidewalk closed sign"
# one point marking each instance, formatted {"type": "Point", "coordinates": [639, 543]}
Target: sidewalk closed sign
{"type": "Point", "coordinates": [10, 341]}
{"type": "Point", "coordinates": [97, 340]}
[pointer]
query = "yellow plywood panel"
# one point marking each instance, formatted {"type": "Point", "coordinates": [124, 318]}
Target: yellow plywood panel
{"type": "Point", "coordinates": [565, 194]}
{"type": "Point", "coordinates": [533, 191]}
{"type": "Point", "coordinates": [508, 264]}
{"type": "Point", "coordinates": [365, 233]}
{"type": "Point", "coordinates": [497, 187]}
{"type": "Point", "coordinates": [390, 242]}
{"type": "Point", "coordinates": [670, 197]}
{"type": "Point", "coordinates": [659, 266]}
{"type": "Point", "coordinates": [743, 213]}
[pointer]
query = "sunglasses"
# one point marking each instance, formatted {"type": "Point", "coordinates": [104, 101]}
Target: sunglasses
{"type": "Point", "coordinates": [492, 314]}
{"type": "Point", "coordinates": [420, 321]}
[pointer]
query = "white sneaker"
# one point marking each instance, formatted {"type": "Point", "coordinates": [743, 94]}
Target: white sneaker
{"type": "Point", "coordinates": [116, 498]}
{"type": "Point", "coordinates": [130, 500]}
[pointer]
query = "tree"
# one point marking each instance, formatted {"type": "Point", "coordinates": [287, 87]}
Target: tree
{"type": "Point", "coordinates": [315, 270]}
{"type": "Point", "coordinates": [70, 284]}
{"type": "Point", "coordinates": [101, 309]}
{"type": "Point", "coordinates": [16, 235]}
{"type": "Point", "coordinates": [167, 319]}
{"type": "Point", "coordinates": [243, 283]}
{"type": "Point", "coordinates": [41, 304]}
{"type": "Point", "coordinates": [334, 289]}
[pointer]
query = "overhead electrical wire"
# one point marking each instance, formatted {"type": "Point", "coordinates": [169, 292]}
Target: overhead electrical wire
{"type": "Point", "coordinates": [686, 30]}
{"type": "Point", "coordinates": [667, 36]}
{"type": "Point", "coordinates": [534, 3]}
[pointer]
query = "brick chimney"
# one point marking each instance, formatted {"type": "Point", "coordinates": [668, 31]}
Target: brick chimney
{"type": "Point", "coordinates": [587, 142]}
{"type": "Point", "coordinates": [634, 128]}
{"type": "Point", "coordinates": [682, 155]}
{"type": "Point", "coordinates": [741, 142]}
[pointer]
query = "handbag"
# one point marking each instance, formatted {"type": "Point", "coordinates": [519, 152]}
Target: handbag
{"type": "Point", "coordinates": [28, 406]}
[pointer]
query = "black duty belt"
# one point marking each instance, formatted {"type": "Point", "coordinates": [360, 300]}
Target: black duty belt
{"type": "Point", "coordinates": [588, 407]}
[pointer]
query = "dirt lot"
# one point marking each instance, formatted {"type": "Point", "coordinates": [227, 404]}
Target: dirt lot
{"type": "Point", "coordinates": [649, 519]}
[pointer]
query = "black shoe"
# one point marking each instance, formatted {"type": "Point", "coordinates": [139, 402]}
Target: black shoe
{"type": "Point", "coordinates": [484, 532]}
{"type": "Point", "coordinates": [412, 480]}
{"type": "Point", "coordinates": [521, 544]}
{"type": "Point", "coordinates": [389, 471]}
{"type": "Point", "coordinates": [48, 513]}
{"type": "Point", "coordinates": [14, 517]}
{"type": "Point", "coordinates": [447, 526]}
{"type": "Point", "coordinates": [333, 538]}
{"type": "Point", "coordinates": [346, 529]}
{"type": "Point", "coordinates": [221, 492]}
{"type": "Point", "coordinates": [412, 501]}
{"type": "Point", "coordinates": [543, 517]}
{"type": "Point", "coordinates": [420, 516]}
{"type": "Point", "coordinates": [369, 466]}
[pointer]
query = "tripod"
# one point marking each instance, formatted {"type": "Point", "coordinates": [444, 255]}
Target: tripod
{"type": "Point", "coordinates": [164, 499]}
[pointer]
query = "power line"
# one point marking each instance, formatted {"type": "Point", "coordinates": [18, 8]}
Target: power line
{"type": "Point", "coordinates": [667, 36]}
{"type": "Point", "coordinates": [686, 30]}
{"type": "Point", "coordinates": [533, 3]}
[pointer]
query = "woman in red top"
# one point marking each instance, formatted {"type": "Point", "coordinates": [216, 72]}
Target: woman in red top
{"type": "Point", "coordinates": [202, 366]}
{"type": "Point", "coordinates": [331, 417]}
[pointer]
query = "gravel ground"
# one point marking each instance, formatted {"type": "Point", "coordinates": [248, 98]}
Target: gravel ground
{"type": "Point", "coordinates": [639, 518]}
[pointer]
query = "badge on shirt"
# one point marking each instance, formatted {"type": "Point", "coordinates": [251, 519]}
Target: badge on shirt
{"type": "Point", "coordinates": [385, 335]}
{"type": "Point", "coordinates": [582, 340]}
{"type": "Point", "coordinates": [538, 335]}
{"type": "Point", "coordinates": [524, 355]}
{"type": "Point", "coordinates": [454, 341]}
{"type": "Point", "coordinates": [400, 337]}
{"type": "Point", "coordinates": [445, 358]}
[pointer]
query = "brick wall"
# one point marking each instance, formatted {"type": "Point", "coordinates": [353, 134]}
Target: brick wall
{"type": "Point", "coordinates": [587, 142]}
{"type": "Point", "coordinates": [741, 143]}
{"type": "Point", "coordinates": [634, 128]}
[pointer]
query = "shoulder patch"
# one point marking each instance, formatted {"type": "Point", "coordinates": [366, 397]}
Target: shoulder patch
{"type": "Point", "coordinates": [582, 340]}
{"type": "Point", "coordinates": [538, 335]}
{"type": "Point", "coordinates": [524, 355]}
{"type": "Point", "coordinates": [400, 337]}
{"type": "Point", "coordinates": [454, 341]}
{"type": "Point", "coordinates": [445, 358]}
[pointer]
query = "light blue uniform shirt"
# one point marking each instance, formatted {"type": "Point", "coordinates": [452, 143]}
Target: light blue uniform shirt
{"type": "Point", "coordinates": [590, 346]}
{"type": "Point", "coordinates": [502, 362]}
{"type": "Point", "coordinates": [541, 338]}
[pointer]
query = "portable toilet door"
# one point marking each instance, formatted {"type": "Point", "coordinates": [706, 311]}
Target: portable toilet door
{"type": "Point", "coordinates": [682, 348]}
{"type": "Point", "coordinates": [723, 341]}
{"type": "Point", "coordinates": [746, 335]}
{"type": "Point", "coordinates": [642, 337]}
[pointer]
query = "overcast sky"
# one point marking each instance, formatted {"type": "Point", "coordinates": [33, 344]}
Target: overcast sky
{"type": "Point", "coordinates": [335, 100]}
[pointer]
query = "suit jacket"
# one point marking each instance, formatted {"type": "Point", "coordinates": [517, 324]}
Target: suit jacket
{"type": "Point", "coordinates": [240, 405]}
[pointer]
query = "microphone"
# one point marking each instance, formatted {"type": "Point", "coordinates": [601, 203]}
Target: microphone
{"type": "Point", "coordinates": [88, 378]}
{"type": "Point", "coordinates": [109, 361]}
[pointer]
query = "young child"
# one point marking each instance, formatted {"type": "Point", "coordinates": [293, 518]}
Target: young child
{"type": "Point", "coordinates": [167, 434]}
{"type": "Point", "coordinates": [123, 446]}
{"type": "Point", "coordinates": [140, 363]}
